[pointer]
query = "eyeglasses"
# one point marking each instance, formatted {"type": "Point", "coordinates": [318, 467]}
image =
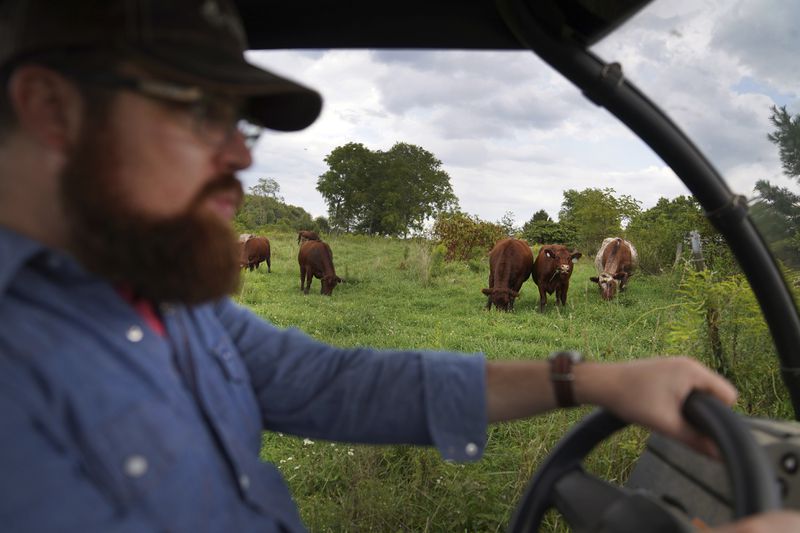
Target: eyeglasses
{"type": "Point", "coordinates": [215, 117]}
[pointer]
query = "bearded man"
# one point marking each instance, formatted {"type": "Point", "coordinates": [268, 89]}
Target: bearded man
{"type": "Point", "coordinates": [133, 392]}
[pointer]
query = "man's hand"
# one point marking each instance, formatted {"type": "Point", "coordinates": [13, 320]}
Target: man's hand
{"type": "Point", "coordinates": [651, 393]}
{"type": "Point", "coordinates": [773, 522]}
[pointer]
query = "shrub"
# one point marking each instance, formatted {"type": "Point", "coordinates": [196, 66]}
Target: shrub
{"type": "Point", "coordinates": [465, 237]}
{"type": "Point", "coordinates": [719, 321]}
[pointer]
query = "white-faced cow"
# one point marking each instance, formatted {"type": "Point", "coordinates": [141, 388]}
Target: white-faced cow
{"type": "Point", "coordinates": [510, 264]}
{"type": "Point", "coordinates": [316, 259]}
{"type": "Point", "coordinates": [254, 251]}
{"type": "Point", "coordinates": [552, 270]}
{"type": "Point", "coordinates": [615, 263]}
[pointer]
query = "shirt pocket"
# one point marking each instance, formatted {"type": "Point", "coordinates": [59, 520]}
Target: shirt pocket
{"type": "Point", "coordinates": [230, 361]}
{"type": "Point", "coordinates": [136, 451]}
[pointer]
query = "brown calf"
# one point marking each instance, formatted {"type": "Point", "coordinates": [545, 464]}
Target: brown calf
{"type": "Point", "coordinates": [316, 259]}
{"type": "Point", "coordinates": [551, 272]}
{"type": "Point", "coordinates": [510, 264]}
{"type": "Point", "coordinates": [253, 251]}
{"type": "Point", "coordinates": [615, 262]}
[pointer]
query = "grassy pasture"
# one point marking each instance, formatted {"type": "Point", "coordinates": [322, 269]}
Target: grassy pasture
{"type": "Point", "coordinates": [397, 295]}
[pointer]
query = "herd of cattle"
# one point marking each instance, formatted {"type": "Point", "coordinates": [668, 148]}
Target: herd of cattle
{"type": "Point", "coordinates": [315, 259]}
{"type": "Point", "coordinates": [511, 263]}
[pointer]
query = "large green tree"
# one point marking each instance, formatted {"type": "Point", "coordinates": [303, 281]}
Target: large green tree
{"type": "Point", "coordinates": [596, 214]}
{"type": "Point", "coordinates": [384, 192]}
{"type": "Point", "coordinates": [776, 210]}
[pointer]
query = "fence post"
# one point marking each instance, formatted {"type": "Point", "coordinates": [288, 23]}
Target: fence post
{"type": "Point", "coordinates": [678, 254]}
{"type": "Point", "coordinates": [697, 251]}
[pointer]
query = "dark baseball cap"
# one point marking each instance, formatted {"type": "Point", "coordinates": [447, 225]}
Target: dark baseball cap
{"type": "Point", "coordinates": [194, 42]}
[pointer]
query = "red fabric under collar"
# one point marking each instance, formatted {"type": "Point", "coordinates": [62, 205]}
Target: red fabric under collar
{"type": "Point", "coordinates": [145, 308]}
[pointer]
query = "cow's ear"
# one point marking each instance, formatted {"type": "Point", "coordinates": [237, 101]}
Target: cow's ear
{"type": "Point", "coordinates": [594, 279]}
{"type": "Point", "coordinates": [550, 254]}
{"type": "Point", "coordinates": [487, 292]}
{"type": "Point", "coordinates": [576, 256]}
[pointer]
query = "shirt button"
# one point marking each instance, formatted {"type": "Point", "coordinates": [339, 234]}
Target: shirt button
{"type": "Point", "coordinates": [244, 482]}
{"type": "Point", "coordinates": [471, 449]}
{"type": "Point", "coordinates": [135, 466]}
{"type": "Point", "coordinates": [135, 334]}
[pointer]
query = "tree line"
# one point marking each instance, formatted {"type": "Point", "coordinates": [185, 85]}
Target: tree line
{"type": "Point", "coordinates": [397, 191]}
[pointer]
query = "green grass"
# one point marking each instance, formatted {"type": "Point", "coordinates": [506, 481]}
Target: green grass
{"type": "Point", "coordinates": [397, 296]}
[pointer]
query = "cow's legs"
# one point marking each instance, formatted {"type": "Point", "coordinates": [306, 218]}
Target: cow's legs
{"type": "Point", "coordinates": [542, 298]}
{"type": "Point", "coordinates": [309, 277]}
{"type": "Point", "coordinates": [302, 277]}
{"type": "Point", "coordinates": [269, 266]}
{"type": "Point", "coordinates": [491, 286]}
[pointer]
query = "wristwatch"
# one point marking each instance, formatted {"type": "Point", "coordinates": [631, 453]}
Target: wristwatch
{"type": "Point", "coordinates": [561, 375]}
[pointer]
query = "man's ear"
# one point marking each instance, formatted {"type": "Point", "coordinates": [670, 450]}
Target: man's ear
{"type": "Point", "coordinates": [47, 105]}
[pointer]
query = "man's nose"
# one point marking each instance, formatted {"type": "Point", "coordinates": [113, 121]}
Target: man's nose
{"type": "Point", "coordinates": [234, 154]}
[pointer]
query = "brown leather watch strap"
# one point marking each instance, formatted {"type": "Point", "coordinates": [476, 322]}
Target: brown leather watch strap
{"type": "Point", "coordinates": [561, 375]}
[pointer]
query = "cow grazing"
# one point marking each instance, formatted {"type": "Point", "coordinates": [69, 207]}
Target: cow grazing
{"type": "Point", "coordinates": [510, 264]}
{"type": "Point", "coordinates": [316, 259]}
{"type": "Point", "coordinates": [551, 272]}
{"type": "Point", "coordinates": [253, 252]}
{"type": "Point", "coordinates": [615, 262]}
{"type": "Point", "coordinates": [305, 235]}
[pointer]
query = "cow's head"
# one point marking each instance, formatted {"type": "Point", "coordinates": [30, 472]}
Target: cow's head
{"type": "Point", "coordinates": [329, 282]}
{"type": "Point", "coordinates": [502, 299]}
{"type": "Point", "coordinates": [608, 284]}
{"type": "Point", "coordinates": [563, 259]}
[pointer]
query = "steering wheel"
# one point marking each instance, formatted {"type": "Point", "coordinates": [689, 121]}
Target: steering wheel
{"type": "Point", "coordinates": [592, 504]}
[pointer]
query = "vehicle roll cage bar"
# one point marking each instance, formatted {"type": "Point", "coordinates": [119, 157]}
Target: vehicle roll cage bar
{"type": "Point", "coordinates": [605, 85]}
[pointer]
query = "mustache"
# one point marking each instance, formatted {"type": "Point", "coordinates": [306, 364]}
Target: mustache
{"type": "Point", "coordinates": [225, 183]}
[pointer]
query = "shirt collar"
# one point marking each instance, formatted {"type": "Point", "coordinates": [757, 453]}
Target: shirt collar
{"type": "Point", "coordinates": [15, 251]}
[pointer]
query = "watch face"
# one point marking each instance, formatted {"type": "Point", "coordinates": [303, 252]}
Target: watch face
{"type": "Point", "coordinates": [575, 357]}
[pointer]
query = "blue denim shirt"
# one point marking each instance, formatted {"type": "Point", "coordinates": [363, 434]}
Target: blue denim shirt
{"type": "Point", "coordinates": [106, 426]}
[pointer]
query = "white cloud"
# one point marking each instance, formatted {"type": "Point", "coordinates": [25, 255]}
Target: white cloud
{"type": "Point", "coordinates": [513, 134]}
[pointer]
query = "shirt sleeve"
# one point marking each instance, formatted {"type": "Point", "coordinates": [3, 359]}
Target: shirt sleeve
{"type": "Point", "coordinates": [308, 388]}
{"type": "Point", "coordinates": [45, 488]}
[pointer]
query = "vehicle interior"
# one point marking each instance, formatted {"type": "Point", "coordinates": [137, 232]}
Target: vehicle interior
{"type": "Point", "coordinates": [670, 488]}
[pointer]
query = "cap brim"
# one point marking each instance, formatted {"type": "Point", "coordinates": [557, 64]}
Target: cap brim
{"type": "Point", "coordinates": [272, 101]}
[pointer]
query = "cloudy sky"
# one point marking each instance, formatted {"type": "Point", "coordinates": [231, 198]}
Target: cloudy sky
{"type": "Point", "coordinates": [513, 134]}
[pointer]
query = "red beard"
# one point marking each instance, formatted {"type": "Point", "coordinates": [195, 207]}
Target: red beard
{"type": "Point", "coordinates": [190, 258]}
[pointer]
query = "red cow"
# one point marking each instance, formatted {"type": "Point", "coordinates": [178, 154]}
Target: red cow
{"type": "Point", "coordinates": [615, 262]}
{"type": "Point", "coordinates": [305, 235]}
{"type": "Point", "coordinates": [551, 272]}
{"type": "Point", "coordinates": [316, 259]}
{"type": "Point", "coordinates": [253, 251]}
{"type": "Point", "coordinates": [510, 264]}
